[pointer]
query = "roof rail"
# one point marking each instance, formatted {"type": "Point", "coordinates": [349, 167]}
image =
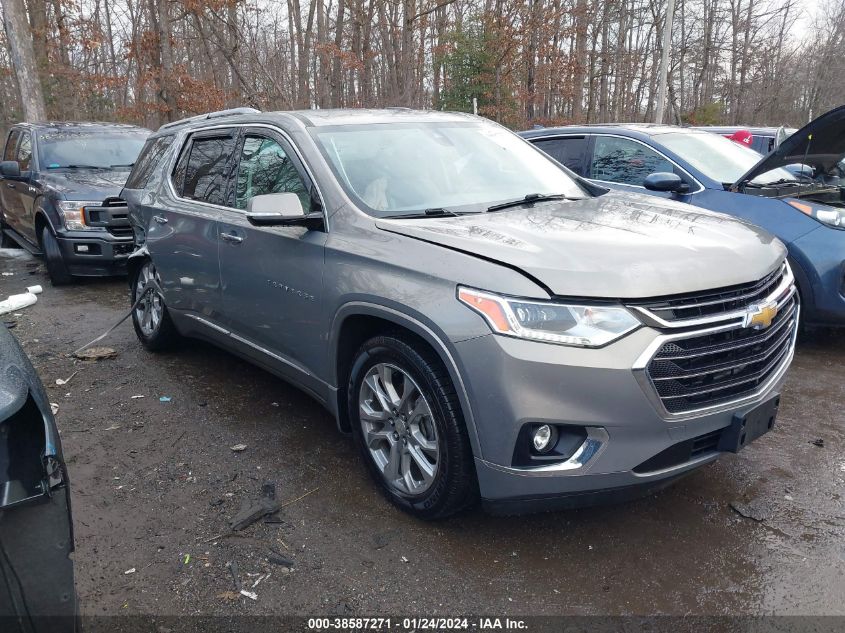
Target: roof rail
{"type": "Point", "coordinates": [210, 115]}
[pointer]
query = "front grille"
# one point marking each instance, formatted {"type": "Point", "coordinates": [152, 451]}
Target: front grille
{"type": "Point", "coordinates": [714, 302]}
{"type": "Point", "coordinates": [113, 215]}
{"type": "Point", "coordinates": [714, 368]}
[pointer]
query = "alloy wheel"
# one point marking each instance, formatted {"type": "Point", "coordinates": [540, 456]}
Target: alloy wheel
{"type": "Point", "coordinates": [150, 310]}
{"type": "Point", "coordinates": [398, 429]}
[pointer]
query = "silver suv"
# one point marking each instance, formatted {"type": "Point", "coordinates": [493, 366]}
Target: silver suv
{"type": "Point", "coordinates": [483, 322]}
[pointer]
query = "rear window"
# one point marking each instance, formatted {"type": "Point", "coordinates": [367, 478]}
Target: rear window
{"type": "Point", "coordinates": [201, 172]}
{"type": "Point", "coordinates": [148, 160]}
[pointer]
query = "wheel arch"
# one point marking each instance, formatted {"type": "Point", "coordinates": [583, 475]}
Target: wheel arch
{"type": "Point", "coordinates": [42, 218]}
{"type": "Point", "coordinates": [357, 322]}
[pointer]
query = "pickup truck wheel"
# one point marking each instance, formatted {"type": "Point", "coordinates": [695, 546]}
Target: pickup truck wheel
{"type": "Point", "coordinates": [150, 318]}
{"type": "Point", "coordinates": [56, 267]}
{"type": "Point", "coordinates": [408, 425]}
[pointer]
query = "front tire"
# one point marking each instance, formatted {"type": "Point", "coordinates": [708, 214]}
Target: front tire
{"type": "Point", "coordinates": [150, 317]}
{"type": "Point", "coordinates": [56, 267]}
{"type": "Point", "coordinates": [407, 422]}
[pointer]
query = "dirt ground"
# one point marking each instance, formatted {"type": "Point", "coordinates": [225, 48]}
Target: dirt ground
{"type": "Point", "coordinates": [155, 482]}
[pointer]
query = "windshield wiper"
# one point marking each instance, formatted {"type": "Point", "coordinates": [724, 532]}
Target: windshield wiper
{"type": "Point", "coordinates": [781, 181]}
{"type": "Point", "coordinates": [428, 213]}
{"type": "Point", "coordinates": [79, 167]}
{"type": "Point", "coordinates": [531, 197]}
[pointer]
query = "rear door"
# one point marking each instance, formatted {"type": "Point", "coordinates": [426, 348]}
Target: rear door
{"type": "Point", "coordinates": [271, 276]}
{"type": "Point", "coordinates": [182, 230]}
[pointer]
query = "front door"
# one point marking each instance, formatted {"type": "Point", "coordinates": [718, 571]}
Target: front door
{"type": "Point", "coordinates": [271, 276]}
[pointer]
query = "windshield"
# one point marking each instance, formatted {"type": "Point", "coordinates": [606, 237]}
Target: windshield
{"type": "Point", "coordinates": [408, 168]}
{"type": "Point", "coordinates": [719, 158]}
{"type": "Point", "coordinates": [101, 148]}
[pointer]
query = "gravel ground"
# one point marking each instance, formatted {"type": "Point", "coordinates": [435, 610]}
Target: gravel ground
{"type": "Point", "coordinates": [155, 483]}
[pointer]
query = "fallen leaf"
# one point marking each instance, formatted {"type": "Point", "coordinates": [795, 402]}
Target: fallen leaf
{"type": "Point", "coordinates": [229, 595]}
{"type": "Point", "coordinates": [96, 353]}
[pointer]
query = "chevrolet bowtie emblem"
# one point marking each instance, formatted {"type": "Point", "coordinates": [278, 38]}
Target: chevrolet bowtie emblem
{"type": "Point", "coordinates": [760, 316]}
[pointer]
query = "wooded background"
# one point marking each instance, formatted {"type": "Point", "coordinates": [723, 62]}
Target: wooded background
{"type": "Point", "coordinates": [525, 61]}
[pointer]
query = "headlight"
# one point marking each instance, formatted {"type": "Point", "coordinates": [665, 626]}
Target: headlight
{"type": "Point", "coordinates": [73, 212]}
{"type": "Point", "coordinates": [826, 215]}
{"type": "Point", "coordinates": [565, 324]}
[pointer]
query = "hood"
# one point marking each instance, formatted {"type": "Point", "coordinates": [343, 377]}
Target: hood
{"type": "Point", "coordinates": [622, 246]}
{"type": "Point", "coordinates": [85, 184]}
{"type": "Point", "coordinates": [819, 144]}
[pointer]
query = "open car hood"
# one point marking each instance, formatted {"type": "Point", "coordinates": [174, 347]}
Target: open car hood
{"type": "Point", "coordinates": [819, 144]}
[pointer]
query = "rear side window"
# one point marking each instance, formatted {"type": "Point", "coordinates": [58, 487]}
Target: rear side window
{"type": "Point", "coordinates": [567, 151]}
{"type": "Point", "coordinates": [201, 172]}
{"type": "Point", "coordinates": [265, 167]}
{"type": "Point", "coordinates": [11, 145]}
{"type": "Point", "coordinates": [625, 161]}
{"type": "Point", "coordinates": [148, 160]}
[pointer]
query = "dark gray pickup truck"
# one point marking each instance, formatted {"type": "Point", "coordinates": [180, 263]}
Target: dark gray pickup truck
{"type": "Point", "coordinates": [59, 195]}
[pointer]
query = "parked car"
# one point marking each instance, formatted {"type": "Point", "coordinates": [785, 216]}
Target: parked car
{"type": "Point", "coordinates": [763, 139]}
{"type": "Point", "coordinates": [36, 531]}
{"type": "Point", "coordinates": [479, 319]}
{"type": "Point", "coordinates": [711, 172]}
{"type": "Point", "coordinates": [60, 195]}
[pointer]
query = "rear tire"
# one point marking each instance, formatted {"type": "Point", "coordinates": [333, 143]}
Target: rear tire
{"type": "Point", "coordinates": [407, 422]}
{"type": "Point", "coordinates": [151, 320]}
{"type": "Point", "coordinates": [56, 267]}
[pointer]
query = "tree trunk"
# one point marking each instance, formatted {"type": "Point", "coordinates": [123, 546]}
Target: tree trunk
{"type": "Point", "coordinates": [23, 60]}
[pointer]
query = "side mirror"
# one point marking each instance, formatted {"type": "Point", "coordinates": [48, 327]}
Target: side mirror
{"type": "Point", "coordinates": [280, 209]}
{"type": "Point", "coordinates": [664, 181]}
{"type": "Point", "coordinates": [10, 169]}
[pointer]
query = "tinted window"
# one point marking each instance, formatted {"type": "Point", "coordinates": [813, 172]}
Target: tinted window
{"type": "Point", "coordinates": [625, 161]}
{"type": "Point", "coordinates": [265, 167]}
{"type": "Point", "coordinates": [205, 171]}
{"type": "Point", "coordinates": [11, 144]}
{"type": "Point", "coordinates": [148, 160]}
{"type": "Point", "coordinates": [83, 146]}
{"type": "Point", "coordinates": [568, 151]}
{"type": "Point", "coordinates": [24, 154]}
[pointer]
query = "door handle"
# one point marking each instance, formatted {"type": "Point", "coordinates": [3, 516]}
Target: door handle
{"type": "Point", "coordinates": [160, 219]}
{"type": "Point", "coordinates": [233, 239]}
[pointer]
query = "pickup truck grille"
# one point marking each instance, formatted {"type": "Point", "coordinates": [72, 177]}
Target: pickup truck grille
{"type": "Point", "coordinates": [113, 215]}
{"type": "Point", "coordinates": [708, 369]}
{"type": "Point", "coordinates": [713, 303]}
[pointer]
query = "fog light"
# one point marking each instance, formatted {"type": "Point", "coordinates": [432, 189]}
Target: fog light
{"type": "Point", "coordinates": [81, 248]}
{"type": "Point", "coordinates": [543, 437]}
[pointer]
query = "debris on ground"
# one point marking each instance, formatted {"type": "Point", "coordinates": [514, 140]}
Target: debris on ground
{"type": "Point", "coordinates": [19, 301]}
{"type": "Point", "coordinates": [135, 397]}
{"type": "Point", "coordinates": [96, 353]}
{"type": "Point", "coordinates": [54, 408]}
{"type": "Point", "coordinates": [249, 514]}
{"type": "Point", "coordinates": [277, 559]}
{"type": "Point", "coordinates": [249, 594]}
{"type": "Point", "coordinates": [64, 381]}
{"type": "Point", "coordinates": [260, 579]}
{"type": "Point", "coordinates": [165, 399]}
{"type": "Point", "coordinates": [238, 448]}
{"type": "Point", "coordinates": [233, 571]}
{"type": "Point", "coordinates": [818, 442]}
{"type": "Point", "coordinates": [129, 571]}
{"type": "Point", "coordinates": [756, 510]}
{"type": "Point", "coordinates": [231, 596]}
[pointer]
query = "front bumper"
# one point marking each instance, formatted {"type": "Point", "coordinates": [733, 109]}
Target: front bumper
{"type": "Point", "coordinates": [514, 382]}
{"type": "Point", "coordinates": [94, 254]}
{"type": "Point", "coordinates": [821, 256]}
